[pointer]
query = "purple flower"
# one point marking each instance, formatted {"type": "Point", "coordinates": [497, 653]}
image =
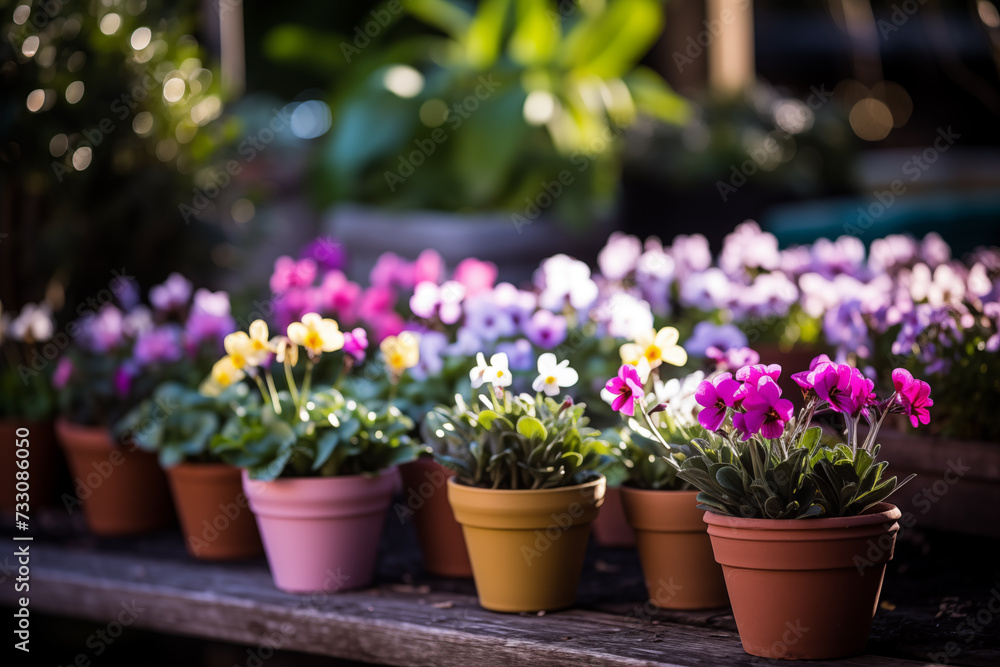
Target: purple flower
{"type": "Point", "coordinates": [445, 301]}
{"type": "Point", "coordinates": [747, 247]}
{"type": "Point", "coordinates": [915, 398]}
{"type": "Point", "coordinates": [845, 327]}
{"type": "Point", "coordinates": [563, 280]}
{"type": "Point", "coordinates": [210, 317]}
{"type": "Point", "coordinates": [934, 250]}
{"type": "Point", "coordinates": [626, 387]}
{"type": "Point", "coordinates": [728, 360]}
{"type": "Point", "coordinates": [123, 379]}
{"type": "Point", "coordinates": [691, 254]}
{"type": "Point", "coordinates": [355, 343]}
{"type": "Point", "coordinates": [488, 321]}
{"type": "Point", "coordinates": [391, 270]}
{"type": "Point", "coordinates": [891, 253]}
{"type": "Point", "coordinates": [752, 374]}
{"type": "Point", "coordinates": [766, 411]}
{"type": "Point", "coordinates": [518, 304]}
{"type": "Point", "coordinates": [104, 332]}
{"type": "Point", "coordinates": [716, 396]}
{"type": "Point", "coordinates": [172, 294]}
{"type": "Point", "coordinates": [467, 343]}
{"type": "Point", "coordinates": [707, 290]}
{"type": "Point", "coordinates": [720, 336]}
{"type": "Point", "coordinates": [126, 290]}
{"type": "Point", "coordinates": [288, 274]}
{"type": "Point", "coordinates": [520, 355]}
{"type": "Point", "coordinates": [545, 329]}
{"type": "Point", "coordinates": [64, 371]}
{"type": "Point", "coordinates": [326, 253]}
{"type": "Point", "coordinates": [158, 345]}
{"type": "Point", "coordinates": [843, 387]}
{"type": "Point", "coordinates": [620, 255]}
{"type": "Point", "coordinates": [338, 295]}
{"type": "Point", "coordinates": [625, 315]}
{"type": "Point", "coordinates": [432, 345]}
{"type": "Point", "coordinates": [654, 274]}
{"type": "Point", "coordinates": [846, 255]}
{"type": "Point", "coordinates": [803, 378]}
{"type": "Point", "coordinates": [137, 321]}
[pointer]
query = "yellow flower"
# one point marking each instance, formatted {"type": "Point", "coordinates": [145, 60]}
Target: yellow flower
{"type": "Point", "coordinates": [316, 334]}
{"type": "Point", "coordinates": [237, 345]}
{"type": "Point", "coordinates": [224, 373]}
{"type": "Point", "coordinates": [655, 347]}
{"type": "Point", "coordinates": [401, 352]}
{"type": "Point", "coordinates": [251, 350]}
{"type": "Point", "coordinates": [285, 349]}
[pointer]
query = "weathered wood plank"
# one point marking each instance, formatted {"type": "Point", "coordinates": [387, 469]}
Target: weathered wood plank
{"type": "Point", "coordinates": [391, 624]}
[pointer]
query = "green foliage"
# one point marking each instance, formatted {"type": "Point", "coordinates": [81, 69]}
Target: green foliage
{"type": "Point", "coordinates": [516, 442]}
{"type": "Point", "coordinates": [178, 423]}
{"type": "Point", "coordinates": [26, 393]}
{"type": "Point", "coordinates": [650, 464]}
{"type": "Point", "coordinates": [331, 436]}
{"type": "Point", "coordinates": [751, 480]}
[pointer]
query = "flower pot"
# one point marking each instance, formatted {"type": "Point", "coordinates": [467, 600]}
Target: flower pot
{"type": "Point", "coordinates": [611, 527]}
{"type": "Point", "coordinates": [804, 588]}
{"type": "Point", "coordinates": [213, 511]}
{"type": "Point", "coordinates": [526, 547]}
{"type": "Point", "coordinates": [123, 490]}
{"type": "Point", "coordinates": [425, 499]}
{"type": "Point", "coordinates": [321, 534]}
{"type": "Point", "coordinates": [43, 462]}
{"type": "Point", "coordinates": [675, 550]}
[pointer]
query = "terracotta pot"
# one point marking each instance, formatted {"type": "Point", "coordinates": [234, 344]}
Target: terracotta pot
{"type": "Point", "coordinates": [804, 588]}
{"type": "Point", "coordinates": [213, 510]}
{"type": "Point", "coordinates": [43, 462]}
{"type": "Point", "coordinates": [611, 527]}
{"type": "Point", "coordinates": [425, 499]}
{"type": "Point", "coordinates": [675, 550]}
{"type": "Point", "coordinates": [122, 489]}
{"type": "Point", "coordinates": [526, 547]}
{"type": "Point", "coordinates": [321, 534]}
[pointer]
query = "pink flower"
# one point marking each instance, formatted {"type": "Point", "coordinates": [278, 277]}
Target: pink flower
{"type": "Point", "coordinates": [732, 358]}
{"type": "Point", "coordinates": [766, 411]}
{"type": "Point", "coordinates": [914, 395]}
{"type": "Point", "coordinates": [123, 381]}
{"type": "Point", "coordinates": [626, 387]}
{"type": "Point", "coordinates": [355, 343]}
{"type": "Point", "coordinates": [477, 276]}
{"type": "Point", "coordinates": [902, 380]}
{"type": "Point", "coordinates": [288, 274]}
{"type": "Point", "coordinates": [716, 396]}
{"type": "Point", "coordinates": [391, 270]}
{"type": "Point", "coordinates": [843, 387]}
{"type": "Point", "coordinates": [339, 296]}
{"type": "Point", "coordinates": [429, 266]}
{"type": "Point", "coordinates": [375, 302]}
{"type": "Point", "coordinates": [752, 374]}
{"type": "Point", "coordinates": [802, 379]}
{"type": "Point", "coordinates": [64, 370]}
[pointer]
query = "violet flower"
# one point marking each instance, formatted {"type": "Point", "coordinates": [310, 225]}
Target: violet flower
{"type": "Point", "coordinates": [172, 294]}
{"type": "Point", "coordinates": [546, 329]}
{"type": "Point", "coordinates": [716, 396]}
{"type": "Point", "coordinates": [720, 336]}
{"type": "Point", "coordinates": [619, 256]}
{"type": "Point", "coordinates": [288, 274]}
{"type": "Point", "coordinates": [626, 387]}
{"type": "Point", "coordinates": [732, 359]}
{"type": "Point", "coordinates": [489, 322]}
{"type": "Point", "coordinates": [356, 343]}
{"type": "Point", "coordinates": [326, 253]}
{"type": "Point", "coordinates": [766, 411]}
{"type": "Point", "coordinates": [520, 354]}
{"type": "Point", "coordinates": [158, 345]}
{"type": "Point", "coordinates": [63, 373]}
{"type": "Point", "coordinates": [210, 317]}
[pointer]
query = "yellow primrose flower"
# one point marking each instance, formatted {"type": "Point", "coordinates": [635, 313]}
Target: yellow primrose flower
{"type": "Point", "coordinates": [316, 334]}
{"type": "Point", "coordinates": [258, 347]}
{"type": "Point", "coordinates": [401, 352]}
{"type": "Point", "coordinates": [655, 347]}
{"type": "Point", "coordinates": [224, 373]}
{"type": "Point", "coordinates": [237, 345]}
{"type": "Point", "coordinates": [285, 349]}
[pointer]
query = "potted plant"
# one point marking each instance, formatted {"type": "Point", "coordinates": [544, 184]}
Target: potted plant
{"type": "Point", "coordinates": [671, 536]}
{"type": "Point", "coordinates": [799, 524]}
{"type": "Point", "coordinates": [526, 487]}
{"type": "Point", "coordinates": [28, 406]}
{"type": "Point", "coordinates": [117, 358]}
{"type": "Point", "coordinates": [318, 465]}
{"type": "Point", "coordinates": [177, 424]}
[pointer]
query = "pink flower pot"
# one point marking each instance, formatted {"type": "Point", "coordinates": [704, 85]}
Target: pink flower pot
{"type": "Point", "coordinates": [321, 534]}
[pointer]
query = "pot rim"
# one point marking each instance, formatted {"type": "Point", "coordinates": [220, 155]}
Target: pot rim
{"type": "Point", "coordinates": [314, 480]}
{"type": "Point", "coordinates": [523, 492]}
{"type": "Point", "coordinates": [880, 514]}
{"type": "Point", "coordinates": [653, 492]}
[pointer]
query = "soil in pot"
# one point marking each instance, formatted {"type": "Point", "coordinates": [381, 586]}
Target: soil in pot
{"type": "Point", "coordinates": [215, 517]}
{"type": "Point", "coordinates": [425, 501]}
{"type": "Point", "coordinates": [122, 489]}
{"type": "Point", "coordinates": [321, 534]}
{"type": "Point", "coordinates": [611, 527]}
{"type": "Point", "coordinates": [675, 550]}
{"type": "Point", "coordinates": [43, 462]}
{"type": "Point", "coordinates": [526, 547]}
{"type": "Point", "coordinates": [804, 588]}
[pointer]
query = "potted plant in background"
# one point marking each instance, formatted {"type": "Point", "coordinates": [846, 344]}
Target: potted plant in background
{"type": "Point", "coordinates": [800, 526]}
{"type": "Point", "coordinates": [28, 405]}
{"type": "Point", "coordinates": [318, 465]}
{"type": "Point", "coordinates": [674, 547]}
{"type": "Point", "coordinates": [177, 424]}
{"type": "Point", "coordinates": [116, 359]}
{"type": "Point", "coordinates": [527, 486]}
{"type": "Point", "coordinates": [506, 117]}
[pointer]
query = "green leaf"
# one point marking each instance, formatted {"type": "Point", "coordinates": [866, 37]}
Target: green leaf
{"type": "Point", "coordinates": [532, 428]}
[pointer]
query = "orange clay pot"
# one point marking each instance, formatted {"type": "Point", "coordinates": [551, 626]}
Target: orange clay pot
{"type": "Point", "coordinates": [122, 490]}
{"type": "Point", "coordinates": [611, 527]}
{"type": "Point", "coordinates": [675, 550]}
{"type": "Point", "coordinates": [804, 588]}
{"type": "Point", "coordinates": [526, 547]}
{"type": "Point", "coordinates": [213, 510]}
{"type": "Point", "coordinates": [425, 500]}
{"type": "Point", "coordinates": [43, 462]}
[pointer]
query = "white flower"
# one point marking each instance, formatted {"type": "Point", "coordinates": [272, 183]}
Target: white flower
{"type": "Point", "coordinates": [33, 325]}
{"type": "Point", "coordinates": [477, 374]}
{"type": "Point", "coordinates": [552, 375]}
{"type": "Point", "coordinates": [498, 373]}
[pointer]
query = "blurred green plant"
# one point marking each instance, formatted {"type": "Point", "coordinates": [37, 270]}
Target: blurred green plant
{"type": "Point", "coordinates": [504, 99]}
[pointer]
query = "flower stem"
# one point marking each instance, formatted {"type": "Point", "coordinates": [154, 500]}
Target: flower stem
{"type": "Point", "coordinates": [306, 385]}
{"type": "Point", "coordinates": [275, 403]}
{"type": "Point", "coordinates": [292, 389]}
{"type": "Point", "coordinates": [263, 390]}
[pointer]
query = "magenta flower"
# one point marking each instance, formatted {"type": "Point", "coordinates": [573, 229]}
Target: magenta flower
{"type": "Point", "coordinates": [64, 370]}
{"type": "Point", "coordinates": [123, 380]}
{"type": "Point", "coordinates": [626, 387]}
{"type": "Point", "coordinates": [172, 294]}
{"type": "Point", "coordinates": [545, 329]}
{"type": "Point", "coordinates": [326, 252]}
{"type": "Point", "coordinates": [716, 396]}
{"type": "Point", "coordinates": [355, 343]}
{"type": "Point", "coordinates": [902, 380]}
{"type": "Point", "coordinates": [843, 387]}
{"type": "Point", "coordinates": [339, 295]}
{"type": "Point", "coordinates": [158, 345]}
{"type": "Point", "coordinates": [391, 270]}
{"type": "Point", "coordinates": [476, 275]}
{"type": "Point", "coordinates": [288, 274]}
{"type": "Point", "coordinates": [104, 332]}
{"type": "Point", "coordinates": [210, 317]}
{"type": "Point", "coordinates": [802, 379]}
{"type": "Point", "coordinates": [766, 411]}
{"type": "Point", "coordinates": [732, 358]}
{"type": "Point", "coordinates": [752, 374]}
{"type": "Point", "coordinates": [913, 395]}
{"type": "Point", "coordinates": [428, 266]}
